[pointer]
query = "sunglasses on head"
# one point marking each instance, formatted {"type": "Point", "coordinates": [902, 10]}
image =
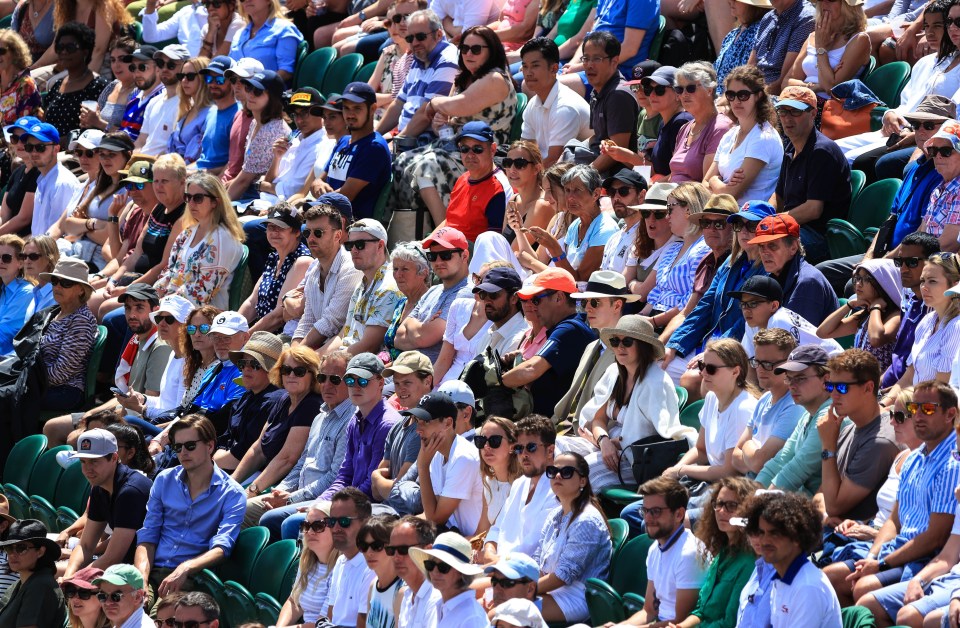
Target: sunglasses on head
{"type": "Point", "coordinates": [516, 162]}
{"type": "Point", "coordinates": [35, 148]}
{"type": "Point", "coordinates": [71, 592]}
{"type": "Point", "coordinates": [507, 583]}
{"type": "Point", "coordinates": [316, 527]}
{"type": "Point", "coordinates": [250, 89]}
{"type": "Point", "coordinates": [403, 550]}
{"type": "Point", "coordinates": [926, 408]}
{"type": "Point", "coordinates": [943, 151]}
{"type": "Point", "coordinates": [187, 75]}
{"type": "Point", "coordinates": [475, 49]}
{"type": "Point", "coordinates": [243, 363]}
{"type": "Point", "coordinates": [169, 319]}
{"type": "Point", "coordinates": [656, 214]}
{"type": "Point", "coordinates": [136, 186]}
{"type": "Point", "coordinates": [540, 297]}
{"type": "Point", "coordinates": [210, 79]}
{"type": "Point", "coordinates": [196, 199]}
{"type": "Point", "coordinates": [189, 445]}
{"type": "Point", "coordinates": [79, 152]}
{"type": "Point", "coordinates": [376, 546]}
{"type": "Point", "coordinates": [709, 369]}
{"type": "Point", "coordinates": [431, 565]}
{"type": "Point", "coordinates": [33, 257]}
{"type": "Point", "coordinates": [203, 328]}
{"type": "Point", "coordinates": [343, 522]}
{"type": "Point", "coordinates": [494, 441]}
{"type": "Point", "coordinates": [565, 473]}
{"type": "Point", "coordinates": [443, 255]}
{"type": "Point", "coordinates": [114, 597]}
{"type": "Point", "coordinates": [719, 225]}
{"type": "Point", "coordinates": [742, 95]}
{"type": "Point", "coordinates": [299, 371]}
{"type": "Point", "coordinates": [909, 262]}
{"type": "Point", "coordinates": [766, 365]}
{"type": "Point", "coordinates": [616, 341]}
{"type": "Point", "coordinates": [476, 149]}
{"type": "Point", "coordinates": [168, 65]}
{"type": "Point", "coordinates": [841, 387]}
{"type": "Point", "coordinates": [528, 448]}
{"type": "Point", "coordinates": [349, 245]}
{"type": "Point", "coordinates": [649, 89]}
{"type": "Point", "coordinates": [417, 36]}
{"type": "Point", "coordinates": [68, 48]}
{"type": "Point", "coordinates": [335, 380]}
{"type": "Point", "coordinates": [738, 225]}
{"type": "Point", "coordinates": [353, 380]}
{"type": "Point", "coordinates": [63, 283]}
{"type": "Point", "coordinates": [926, 125]}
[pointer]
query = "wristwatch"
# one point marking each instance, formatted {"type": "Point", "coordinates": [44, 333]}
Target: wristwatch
{"type": "Point", "coordinates": [253, 488]}
{"type": "Point", "coordinates": [826, 454]}
{"type": "Point", "coordinates": [362, 15]}
{"type": "Point", "coordinates": [821, 51]}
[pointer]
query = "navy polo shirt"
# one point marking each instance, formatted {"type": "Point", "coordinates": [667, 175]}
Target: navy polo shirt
{"type": "Point", "coordinates": [565, 345]}
{"type": "Point", "coordinates": [247, 417]}
{"type": "Point", "coordinates": [368, 159]}
{"type": "Point", "coordinates": [820, 173]}
{"type": "Point", "coordinates": [125, 507]}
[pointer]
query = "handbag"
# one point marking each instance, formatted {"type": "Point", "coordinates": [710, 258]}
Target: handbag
{"type": "Point", "coordinates": [838, 122]}
{"type": "Point", "coordinates": [650, 459]}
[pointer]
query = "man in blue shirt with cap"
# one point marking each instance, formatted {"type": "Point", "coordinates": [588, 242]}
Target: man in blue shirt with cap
{"type": "Point", "coordinates": [56, 184]}
{"type": "Point", "coordinates": [215, 145]}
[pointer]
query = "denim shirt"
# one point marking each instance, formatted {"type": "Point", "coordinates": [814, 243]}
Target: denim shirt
{"type": "Point", "coordinates": [755, 597]}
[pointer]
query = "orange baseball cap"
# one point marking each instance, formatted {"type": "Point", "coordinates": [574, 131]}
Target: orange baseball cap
{"type": "Point", "coordinates": [556, 279]}
{"type": "Point", "coordinates": [448, 238]}
{"type": "Point", "coordinates": [775, 227]}
{"type": "Point", "coordinates": [801, 98]}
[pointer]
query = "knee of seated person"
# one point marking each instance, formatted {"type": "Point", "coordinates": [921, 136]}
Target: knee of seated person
{"type": "Point", "coordinates": [934, 619]}
{"type": "Point", "coordinates": [910, 616]}
{"type": "Point", "coordinates": [863, 587]}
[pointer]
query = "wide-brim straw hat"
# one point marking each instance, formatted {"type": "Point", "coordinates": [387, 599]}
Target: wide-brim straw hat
{"type": "Point", "coordinates": [72, 269]}
{"type": "Point", "coordinates": [449, 548]}
{"type": "Point", "coordinates": [763, 4]}
{"type": "Point", "coordinates": [263, 347]}
{"type": "Point", "coordinates": [634, 326]}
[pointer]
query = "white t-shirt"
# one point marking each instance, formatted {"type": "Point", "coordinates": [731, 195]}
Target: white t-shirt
{"type": "Point", "coordinates": [807, 599]}
{"type": "Point", "coordinates": [616, 251]}
{"type": "Point", "coordinates": [722, 430]}
{"type": "Point", "coordinates": [349, 591]}
{"type": "Point", "coordinates": [460, 479]}
{"type": "Point", "coordinates": [762, 143]}
{"type": "Point", "coordinates": [295, 166]}
{"type": "Point", "coordinates": [677, 568]}
{"type": "Point", "coordinates": [159, 121]}
{"type": "Point", "coordinates": [802, 330]}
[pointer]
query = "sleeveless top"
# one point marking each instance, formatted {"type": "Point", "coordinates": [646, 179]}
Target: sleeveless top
{"type": "Point", "coordinates": [382, 609]}
{"type": "Point", "coordinates": [809, 64]}
{"type": "Point", "coordinates": [157, 231]}
{"type": "Point", "coordinates": [499, 116]}
{"type": "Point", "coordinates": [271, 281]}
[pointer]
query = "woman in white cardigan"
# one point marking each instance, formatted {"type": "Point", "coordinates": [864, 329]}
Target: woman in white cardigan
{"type": "Point", "coordinates": [640, 401]}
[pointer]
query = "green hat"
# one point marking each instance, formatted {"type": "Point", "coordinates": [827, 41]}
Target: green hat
{"type": "Point", "coordinates": [119, 575]}
{"type": "Point", "coordinates": [138, 172]}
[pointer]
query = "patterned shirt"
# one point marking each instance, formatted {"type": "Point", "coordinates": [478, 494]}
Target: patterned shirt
{"type": "Point", "coordinates": [735, 50]}
{"type": "Point", "coordinates": [271, 281]}
{"type": "Point", "coordinates": [424, 81]}
{"type": "Point", "coordinates": [133, 115]}
{"type": "Point", "coordinates": [65, 347]}
{"type": "Point", "coordinates": [371, 304]}
{"type": "Point", "coordinates": [259, 146]}
{"type": "Point", "coordinates": [19, 99]}
{"type": "Point", "coordinates": [944, 208]}
{"type": "Point", "coordinates": [325, 304]}
{"type": "Point", "coordinates": [201, 273]}
{"type": "Point", "coordinates": [782, 34]}
{"type": "Point", "coordinates": [574, 549]}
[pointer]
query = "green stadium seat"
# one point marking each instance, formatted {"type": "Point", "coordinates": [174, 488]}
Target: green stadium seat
{"type": "Point", "coordinates": [276, 559]}
{"type": "Point", "coordinates": [844, 240]}
{"type": "Point", "coordinates": [239, 566]}
{"type": "Point", "coordinates": [690, 415]}
{"type": "Point", "coordinates": [872, 206]}
{"type": "Point", "coordinates": [364, 73]}
{"type": "Point", "coordinates": [516, 127]}
{"type": "Point", "coordinates": [857, 180]}
{"type": "Point", "coordinates": [341, 73]}
{"type": "Point", "coordinates": [237, 283]}
{"type": "Point", "coordinates": [73, 489]}
{"type": "Point", "coordinates": [682, 396]}
{"type": "Point", "coordinates": [887, 81]}
{"type": "Point", "coordinates": [22, 458]}
{"type": "Point", "coordinates": [628, 574]}
{"type": "Point", "coordinates": [313, 69]}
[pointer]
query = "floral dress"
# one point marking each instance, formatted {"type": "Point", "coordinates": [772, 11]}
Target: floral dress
{"type": "Point", "coordinates": [201, 273]}
{"type": "Point", "coordinates": [271, 282]}
{"type": "Point", "coordinates": [439, 162]}
{"type": "Point", "coordinates": [21, 98]}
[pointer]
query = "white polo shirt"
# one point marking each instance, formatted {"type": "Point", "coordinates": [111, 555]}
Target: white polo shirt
{"type": "Point", "coordinates": [349, 593]}
{"type": "Point", "coordinates": [459, 478]}
{"type": "Point", "coordinates": [675, 565]}
{"type": "Point", "coordinates": [462, 611]}
{"type": "Point", "coordinates": [616, 251]}
{"type": "Point", "coordinates": [562, 117]}
{"type": "Point", "coordinates": [519, 525]}
{"type": "Point", "coordinates": [159, 120]}
{"type": "Point", "coordinates": [803, 597]}
{"type": "Point", "coordinates": [419, 610]}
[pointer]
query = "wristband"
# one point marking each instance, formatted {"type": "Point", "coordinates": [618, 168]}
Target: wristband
{"type": "Point", "coordinates": [208, 43]}
{"type": "Point", "coordinates": [871, 556]}
{"type": "Point", "coordinates": [601, 437]}
{"type": "Point", "coordinates": [562, 256]}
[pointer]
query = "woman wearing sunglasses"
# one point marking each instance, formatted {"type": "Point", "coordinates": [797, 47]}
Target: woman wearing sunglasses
{"type": "Point", "coordinates": [448, 568]}
{"type": "Point", "coordinates": [288, 420]}
{"type": "Point", "coordinates": [574, 544]}
{"type": "Point", "coordinates": [523, 166]}
{"type": "Point", "coordinates": [411, 272]}
{"type": "Point", "coordinates": [498, 466]}
{"type": "Point", "coordinates": [18, 96]}
{"type": "Point", "coordinates": [385, 595]}
{"type": "Point", "coordinates": [747, 162]}
{"type": "Point", "coordinates": [16, 293]}
{"type": "Point", "coordinates": [203, 257]}
{"type": "Point", "coordinates": [482, 91]}
{"type": "Point", "coordinates": [83, 607]}
{"type": "Point", "coordinates": [698, 140]}
{"type": "Point", "coordinates": [113, 100]}
{"type": "Point", "coordinates": [308, 599]}
{"type": "Point", "coordinates": [35, 600]}
{"type": "Point", "coordinates": [737, 45]}
{"type": "Point", "coordinates": [652, 240]}
{"type": "Point", "coordinates": [16, 209]}
{"type": "Point", "coordinates": [195, 105]}
{"type": "Point", "coordinates": [642, 404]}
{"type": "Point", "coordinates": [40, 255]}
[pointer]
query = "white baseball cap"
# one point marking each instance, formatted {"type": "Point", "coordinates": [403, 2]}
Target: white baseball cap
{"type": "Point", "coordinates": [89, 139]}
{"type": "Point", "coordinates": [95, 443]}
{"type": "Point", "coordinates": [245, 67]}
{"type": "Point", "coordinates": [173, 304]}
{"type": "Point", "coordinates": [229, 323]}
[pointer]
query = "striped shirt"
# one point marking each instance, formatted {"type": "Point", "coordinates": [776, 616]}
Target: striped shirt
{"type": "Point", "coordinates": [426, 81]}
{"type": "Point", "coordinates": [927, 481]}
{"type": "Point", "coordinates": [66, 346]}
{"type": "Point", "coordinates": [675, 275]}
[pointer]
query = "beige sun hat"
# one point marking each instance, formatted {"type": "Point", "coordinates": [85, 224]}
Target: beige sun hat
{"type": "Point", "coordinates": [263, 347]}
{"type": "Point", "coordinates": [634, 326]}
{"type": "Point", "coordinates": [763, 4]}
{"type": "Point", "coordinates": [71, 269]}
{"type": "Point", "coordinates": [449, 548]}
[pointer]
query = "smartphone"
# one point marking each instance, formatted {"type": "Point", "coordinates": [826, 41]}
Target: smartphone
{"type": "Point", "coordinates": [117, 391]}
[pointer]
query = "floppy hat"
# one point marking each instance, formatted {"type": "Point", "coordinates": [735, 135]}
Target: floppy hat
{"type": "Point", "coordinates": [263, 347]}
{"type": "Point", "coordinates": [606, 283]}
{"type": "Point", "coordinates": [450, 548]}
{"type": "Point", "coordinates": [72, 269]}
{"type": "Point", "coordinates": [33, 531]}
{"type": "Point", "coordinates": [634, 326]}
{"type": "Point", "coordinates": [656, 197]}
{"type": "Point", "coordinates": [173, 304]}
{"type": "Point", "coordinates": [409, 362]}
{"type": "Point", "coordinates": [934, 107]}
{"type": "Point", "coordinates": [552, 278]}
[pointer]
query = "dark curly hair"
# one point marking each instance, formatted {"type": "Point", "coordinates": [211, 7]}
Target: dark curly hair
{"type": "Point", "coordinates": [793, 516]}
{"type": "Point", "coordinates": [131, 437]}
{"type": "Point", "coordinates": [752, 77]}
{"type": "Point", "coordinates": [715, 542]}
{"type": "Point", "coordinates": [496, 61]}
{"type": "Point", "coordinates": [85, 36]}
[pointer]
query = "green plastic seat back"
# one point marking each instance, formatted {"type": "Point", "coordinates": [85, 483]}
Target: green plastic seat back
{"type": "Point", "coordinates": [872, 205]}
{"type": "Point", "coordinates": [42, 510]}
{"type": "Point", "coordinates": [240, 607]}
{"type": "Point", "coordinates": [314, 67]}
{"type": "Point", "coordinates": [632, 603]}
{"type": "Point", "coordinates": [690, 415]}
{"type": "Point", "coordinates": [629, 571]}
{"type": "Point", "coordinates": [364, 73]}
{"type": "Point", "coordinates": [843, 239]}
{"type": "Point", "coordinates": [272, 566]}
{"type": "Point", "coordinates": [22, 459]}
{"type": "Point", "coordinates": [657, 42]}
{"type": "Point", "coordinates": [303, 49]}
{"type": "Point", "coordinates": [96, 355]}
{"type": "Point", "coordinates": [73, 489]}
{"type": "Point", "coordinates": [380, 212]}
{"type": "Point", "coordinates": [268, 609]}
{"type": "Point", "coordinates": [857, 617]}
{"type": "Point", "coordinates": [341, 73]}
{"type": "Point", "coordinates": [286, 585]}
{"type": "Point", "coordinates": [887, 81]}
{"type": "Point", "coordinates": [682, 396]}
{"type": "Point", "coordinates": [46, 473]}
{"type": "Point", "coordinates": [603, 603]}
{"type": "Point", "coordinates": [239, 566]}
{"type": "Point", "coordinates": [857, 180]}
{"type": "Point", "coordinates": [618, 535]}
{"type": "Point", "coordinates": [66, 517]}
{"type": "Point", "coordinates": [516, 127]}
{"type": "Point", "coordinates": [236, 284]}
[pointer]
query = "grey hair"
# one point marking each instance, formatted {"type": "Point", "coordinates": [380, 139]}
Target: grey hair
{"type": "Point", "coordinates": [430, 16]}
{"type": "Point", "coordinates": [587, 175]}
{"type": "Point", "coordinates": [699, 72]}
{"type": "Point", "coordinates": [413, 253]}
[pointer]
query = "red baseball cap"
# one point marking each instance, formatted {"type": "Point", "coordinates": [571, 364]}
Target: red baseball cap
{"type": "Point", "coordinates": [448, 238]}
{"type": "Point", "coordinates": [775, 227]}
{"type": "Point", "coordinates": [551, 279]}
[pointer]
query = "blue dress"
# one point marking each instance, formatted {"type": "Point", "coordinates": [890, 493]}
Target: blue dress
{"type": "Point", "coordinates": [186, 138]}
{"type": "Point", "coordinates": [735, 51]}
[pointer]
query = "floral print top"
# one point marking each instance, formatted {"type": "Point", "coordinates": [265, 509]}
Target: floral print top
{"type": "Point", "coordinates": [498, 116]}
{"type": "Point", "coordinates": [735, 51]}
{"type": "Point", "coordinates": [372, 304]}
{"type": "Point", "coordinates": [259, 151]}
{"type": "Point", "coordinates": [21, 98]}
{"type": "Point", "coordinates": [201, 273]}
{"type": "Point", "coordinates": [271, 282]}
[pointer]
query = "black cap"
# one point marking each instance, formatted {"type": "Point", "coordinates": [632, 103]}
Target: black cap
{"type": "Point", "coordinates": [359, 92]}
{"type": "Point", "coordinates": [145, 53]}
{"type": "Point", "coordinates": [500, 278]}
{"type": "Point", "coordinates": [305, 97]}
{"type": "Point", "coordinates": [119, 142]}
{"type": "Point", "coordinates": [802, 357]}
{"type": "Point", "coordinates": [141, 292]}
{"type": "Point", "coordinates": [626, 175]}
{"type": "Point", "coordinates": [642, 70]}
{"type": "Point", "coordinates": [435, 405]}
{"type": "Point", "coordinates": [760, 286]}
{"type": "Point", "coordinates": [267, 80]}
{"type": "Point", "coordinates": [334, 102]}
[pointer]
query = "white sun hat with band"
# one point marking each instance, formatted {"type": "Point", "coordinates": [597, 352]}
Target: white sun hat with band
{"type": "Point", "coordinates": [449, 548]}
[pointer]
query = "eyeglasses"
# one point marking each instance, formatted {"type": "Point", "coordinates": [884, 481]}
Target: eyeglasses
{"type": "Point", "coordinates": [136, 186]}
{"type": "Point", "coordinates": [196, 199]}
{"type": "Point", "coordinates": [376, 546]}
{"type": "Point", "coordinates": [766, 365]}
{"type": "Point", "coordinates": [791, 112]}
{"type": "Point", "coordinates": [654, 512]}
{"type": "Point", "coordinates": [19, 548]}
{"type": "Point", "coordinates": [66, 48]}
{"type": "Point", "coordinates": [752, 305]}
{"type": "Point", "coordinates": [909, 262]}
{"type": "Point", "coordinates": [519, 163]}
{"type": "Point", "coordinates": [719, 225]}
{"type": "Point", "coordinates": [475, 49]}
{"type": "Point", "coordinates": [943, 151]}
{"type": "Point", "coordinates": [78, 153]}
{"type": "Point", "coordinates": [690, 89]}
{"type": "Point", "coordinates": [343, 522]}
{"type": "Point", "coordinates": [169, 621]}
{"type": "Point", "coordinates": [926, 408]}
{"type": "Point", "coordinates": [446, 256]}
{"type": "Point", "coordinates": [530, 448]}
{"type": "Point", "coordinates": [649, 89]}
{"type": "Point", "coordinates": [418, 36]}
{"type": "Point", "coordinates": [63, 283]}
{"type": "Point", "coordinates": [859, 280]}
{"type": "Point", "coordinates": [203, 328]}
{"type": "Point", "coordinates": [335, 380]}
{"type": "Point", "coordinates": [7, 258]}
{"type": "Point", "coordinates": [210, 79]}
{"type": "Point", "coordinates": [33, 257]}
{"type": "Point", "coordinates": [114, 597]}
{"type": "Point", "coordinates": [926, 125]}
{"type": "Point", "coordinates": [299, 371]}
{"type": "Point", "coordinates": [738, 225]}
{"type": "Point", "coordinates": [169, 319]}
{"type": "Point", "coordinates": [796, 381]}
{"type": "Point", "coordinates": [316, 527]}
{"type": "Point", "coordinates": [729, 506]}
{"type": "Point", "coordinates": [565, 473]}
{"type": "Point", "coordinates": [189, 445]}
{"type": "Point", "coordinates": [353, 380]}
{"type": "Point", "coordinates": [71, 592]}
{"type": "Point", "coordinates": [35, 148]}
{"type": "Point", "coordinates": [742, 95]}
{"type": "Point", "coordinates": [899, 417]}
{"type": "Point", "coordinates": [476, 149]}
{"type": "Point", "coordinates": [626, 342]}
{"type": "Point", "coordinates": [494, 441]}
{"type": "Point", "coordinates": [403, 550]}
{"type": "Point", "coordinates": [251, 89]}
{"type": "Point", "coordinates": [656, 214]}
{"type": "Point", "coordinates": [168, 65]}
{"type": "Point", "coordinates": [349, 245]}
{"type": "Point", "coordinates": [841, 387]}
{"type": "Point", "coordinates": [540, 297]}
{"type": "Point", "coordinates": [585, 60]}
{"type": "Point", "coordinates": [431, 565]}
{"type": "Point", "coordinates": [243, 363]}
{"type": "Point", "coordinates": [710, 369]}
{"type": "Point", "coordinates": [507, 583]}
{"type": "Point", "coordinates": [187, 75]}
{"type": "Point", "coordinates": [317, 233]}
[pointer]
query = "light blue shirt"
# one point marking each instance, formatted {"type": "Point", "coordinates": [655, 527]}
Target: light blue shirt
{"type": "Point", "coordinates": [755, 596]}
{"type": "Point", "coordinates": [54, 191]}
{"type": "Point", "coordinates": [187, 136]}
{"type": "Point", "coordinates": [16, 308]}
{"type": "Point", "coordinates": [275, 45]}
{"type": "Point", "coordinates": [598, 233]}
{"type": "Point", "coordinates": [215, 144]}
{"type": "Point", "coordinates": [182, 528]}
{"type": "Point", "coordinates": [675, 275]}
{"type": "Point", "coordinates": [775, 420]}
{"type": "Point", "coordinates": [43, 297]}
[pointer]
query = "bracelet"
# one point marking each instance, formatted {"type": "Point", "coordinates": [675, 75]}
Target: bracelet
{"type": "Point", "coordinates": [208, 43]}
{"type": "Point", "coordinates": [601, 437]}
{"type": "Point", "coordinates": [562, 256]}
{"type": "Point", "coordinates": [115, 219]}
{"type": "Point", "coordinates": [871, 556]}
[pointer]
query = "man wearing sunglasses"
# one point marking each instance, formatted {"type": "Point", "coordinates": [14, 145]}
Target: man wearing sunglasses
{"type": "Point", "coordinates": [55, 183]}
{"type": "Point", "coordinates": [501, 306]}
{"type": "Point", "coordinates": [940, 218]}
{"type": "Point", "coordinates": [449, 256]}
{"type": "Point", "coordinates": [549, 374]}
{"type": "Point", "coordinates": [898, 567]}
{"type": "Point", "coordinates": [215, 145]}
{"type": "Point", "coordinates": [513, 577]}
{"type": "Point", "coordinates": [148, 87]}
{"type": "Point", "coordinates": [195, 610]}
{"type": "Point", "coordinates": [194, 512]}
{"type": "Point", "coordinates": [122, 595]}
{"type": "Point", "coordinates": [160, 114]}
{"type": "Point", "coordinates": [421, 601]}
{"type": "Point", "coordinates": [627, 190]}
{"type": "Point", "coordinates": [351, 579]}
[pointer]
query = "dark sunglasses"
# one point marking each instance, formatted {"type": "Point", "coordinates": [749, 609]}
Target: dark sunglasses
{"type": "Point", "coordinates": [955, 21]}
{"type": "Point", "coordinates": [140, 67]}
{"type": "Point", "coordinates": [719, 225]}
{"type": "Point", "coordinates": [431, 565]}
{"type": "Point", "coordinates": [315, 111]}
{"type": "Point", "coordinates": [742, 95]}
{"type": "Point", "coordinates": [353, 380]}
{"type": "Point", "coordinates": [565, 473]}
{"type": "Point", "coordinates": [63, 283]}
{"type": "Point", "coordinates": [376, 546]}
{"type": "Point", "coordinates": [417, 36]}
{"type": "Point", "coordinates": [926, 125]}
{"type": "Point", "coordinates": [317, 233]}
{"type": "Point", "coordinates": [71, 592]}
{"type": "Point", "coordinates": [243, 363]}
{"type": "Point", "coordinates": [169, 319]}
{"type": "Point", "coordinates": [443, 255]}
{"type": "Point", "coordinates": [187, 75]}
{"type": "Point", "coordinates": [35, 148]}
{"type": "Point", "coordinates": [196, 199]}
{"type": "Point", "coordinates": [78, 153]}
{"type": "Point", "coordinates": [190, 623]}
{"type": "Point", "coordinates": [169, 621]}
{"type": "Point", "coordinates": [483, 295]}
{"type": "Point", "coordinates": [494, 441]}
{"type": "Point", "coordinates": [298, 371]}
{"type": "Point", "coordinates": [114, 597]}
{"type": "Point", "coordinates": [189, 445]}
{"type": "Point", "coordinates": [210, 79]}
{"type": "Point", "coordinates": [656, 214]}
{"type": "Point", "coordinates": [316, 527]}
{"type": "Point", "coordinates": [690, 89]}
{"type": "Point", "coordinates": [927, 408]}
{"type": "Point", "coordinates": [33, 257]}
{"type": "Point", "coordinates": [335, 380]}
{"type": "Point", "coordinates": [343, 522]}
{"type": "Point", "coordinates": [403, 550]}
{"type": "Point", "coordinates": [909, 262]}
{"type": "Point", "coordinates": [738, 225]}
{"type": "Point", "coordinates": [766, 365]}
{"type": "Point", "coordinates": [519, 163]}
{"type": "Point", "coordinates": [122, 59]}
{"type": "Point", "coordinates": [475, 49]}
{"type": "Point", "coordinates": [710, 369]}
{"type": "Point", "coordinates": [168, 65]}
{"type": "Point", "coordinates": [943, 151]}
{"type": "Point", "coordinates": [68, 48]}
{"type": "Point", "coordinates": [626, 342]}
{"type": "Point", "coordinates": [7, 258]}
{"type": "Point", "coordinates": [349, 245]}
{"type": "Point", "coordinates": [476, 149]}
{"type": "Point", "coordinates": [623, 192]}
{"type": "Point", "coordinates": [19, 548]}
{"type": "Point", "coordinates": [899, 417]}
{"type": "Point", "coordinates": [250, 89]}
{"type": "Point", "coordinates": [203, 328]}
{"type": "Point", "coordinates": [507, 583]}
{"type": "Point", "coordinates": [649, 89]}
{"type": "Point", "coordinates": [529, 447]}
{"type": "Point", "coordinates": [540, 297]}
{"type": "Point", "coordinates": [136, 186]}
{"type": "Point", "coordinates": [842, 387]}
{"type": "Point", "coordinates": [399, 18]}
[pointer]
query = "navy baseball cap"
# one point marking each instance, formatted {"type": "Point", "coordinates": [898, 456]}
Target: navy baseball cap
{"type": "Point", "coordinates": [761, 286]}
{"type": "Point", "coordinates": [754, 211]}
{"type": "Point", "coordinates": [476, 130]}
{"type": "Point", "coordinates": [500, 278]}
{"type": "Point", "coordinates": [267, 80]}
{"type": "Point", "coordinates": [359, 92]}
{"type": "Point", "coordinates": [145, 53]}
{"type": "Point", "coordinates": [218, 65]}
{"type": "Point", "coordinates": [340, 202]}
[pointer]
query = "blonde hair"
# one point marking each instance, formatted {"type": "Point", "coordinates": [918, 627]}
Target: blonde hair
{"type": "Point", "coordinates": [201, 99]}
{"type": "Point", "coordinates": [513, 467]}
{"type": "Point", "coordinates": [18, 50]}
{"type": "Point", "coordinates": [302, 356]}
{"type": "Point", "coordinates": [952, 272]}
{"type": "Point", "coordinates": [695, 195]}
{"type": "Point", "coordinates": [223, 212]}
{"type": "Point", "coordinates": [309, 560]}
{"type": "Point", "coordinates": [854, 18]}
{"type": "Point", "coordinates": [732, 354]}
{"type": "Point", "coordinates": [171, 162]}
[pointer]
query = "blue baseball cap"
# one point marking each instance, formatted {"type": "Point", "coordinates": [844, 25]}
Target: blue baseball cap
{"type": "Point", "coordinates": [43, 131]}
{"type": "Point", "coordinates": [218, 65]}
{"type": "Point", "coordinates": [267, 80]}
{"type": "Point", "coordinates": [754, 211]}
{"type": "Point", "coordinates": [515, 566]}
{"type": "Point", "coordinates": [339, 201]}
{"type": "Point", "coordinates": [359, 92]}
{"type": "Point", "coordinates": [23, 123]}
{"type": "Point", "coordinates": [476, 130]}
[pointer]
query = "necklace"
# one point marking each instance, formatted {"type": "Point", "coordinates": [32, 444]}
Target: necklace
{"type": "Point", "coordinates": [34, 11]}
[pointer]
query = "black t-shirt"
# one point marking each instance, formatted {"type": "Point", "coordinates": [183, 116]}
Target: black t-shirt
{"type": "Point", "coordinates": [662, 151]}
{"type": "Point", "coordinates": [820, 173]}
{"type": "Point", "coordinates": [247, 417]}
{"type": "Point", "coordinates": [36, 602]}
{"type": "Point", "coordinates": [564, 347]}
{"type": "Point", "coordinates": [22, 182]}
{"type": "Point", "coordinates": [126, 507]}
{"type": "Point", "coordinates": [281, 420]}
{"type": "Point", "coordinates": [155, 235]}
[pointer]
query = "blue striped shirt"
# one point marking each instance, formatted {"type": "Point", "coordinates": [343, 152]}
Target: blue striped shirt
{"type": "Point", "coordinates": [926, 486]}
{"type": "Point", "coordinates": [675, 275]}
{"type": "Point", "coordinates": [423, 82]}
